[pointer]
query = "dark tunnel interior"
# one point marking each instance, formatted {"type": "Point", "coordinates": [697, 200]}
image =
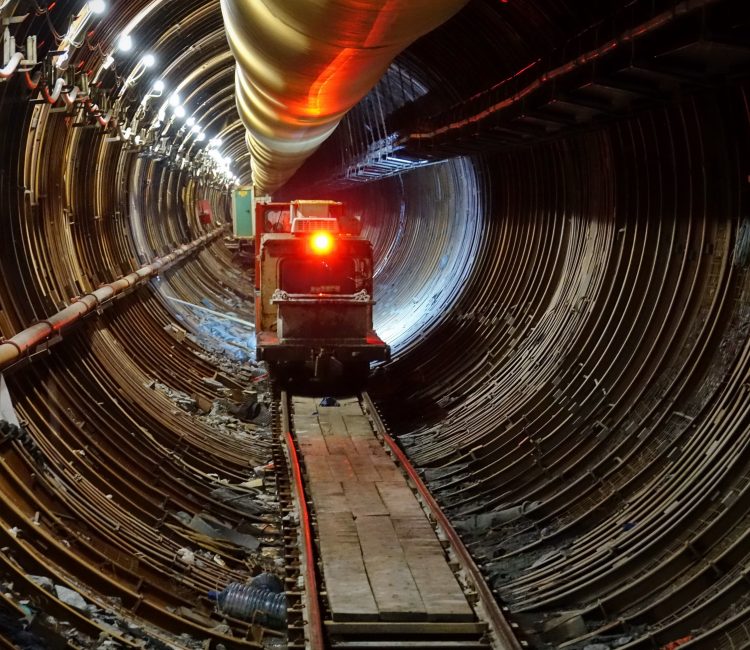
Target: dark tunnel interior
{"type": "Point", "coordinates": [558, 197]}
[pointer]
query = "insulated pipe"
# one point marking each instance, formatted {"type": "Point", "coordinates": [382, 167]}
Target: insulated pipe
{"type": "Point", "coordinates": [11, 66]}
{"type": "Point", "coordinates": [70, 98]}
{"type": "Point", "coordinates": [27, 340]}
{"type": "Point", "coordinates": [657, 22]}
{"type": "Point", "coordinates": [56, 90]}
{"type": "Point", "coordinates": [302, 64]}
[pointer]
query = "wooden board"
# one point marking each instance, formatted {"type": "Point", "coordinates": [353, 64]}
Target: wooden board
{"type": "Point", "coordinates": [382, 560]}
{"type": "Point", "coordinates": [364, 499]}
{"type": "Point", "coordinates": [363, 467]}
{"type": "Point", "coordinates": [400, 500]}
{"type": "Point", "coordinates": [405, 628]}
{"type": "Point", "coordinates": [395, 591]}
{"type": "Point", "coordinates": [352, 599]}
{"type": "Point", "coordinates": [437, 586]}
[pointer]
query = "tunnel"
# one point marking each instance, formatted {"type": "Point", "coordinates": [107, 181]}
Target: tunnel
{"type": "Point", "coordinates": [558, 197]}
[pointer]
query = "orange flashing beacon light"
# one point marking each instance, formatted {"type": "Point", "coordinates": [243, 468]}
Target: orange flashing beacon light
{"type": "Point", "coordinates": [321, 242]}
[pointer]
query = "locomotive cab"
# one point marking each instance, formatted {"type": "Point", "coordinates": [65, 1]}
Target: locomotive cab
{"type": "Point", "coordinates": [314, 295]}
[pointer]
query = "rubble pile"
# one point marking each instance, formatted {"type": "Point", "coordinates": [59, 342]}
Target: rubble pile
{"type": "Point", "coordinates": [226, 336]}
{"type": "Point", "coordinates": [244, 416]}
{"type": "Point", "coordinates": [36, 630]}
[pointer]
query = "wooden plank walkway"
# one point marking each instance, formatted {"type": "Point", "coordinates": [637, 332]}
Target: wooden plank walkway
{"type": "Point", "coordinates": [381, 558]}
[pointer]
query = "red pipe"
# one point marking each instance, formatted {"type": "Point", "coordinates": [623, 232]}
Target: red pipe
{"type": "Point", "coordinates": [33, 85]}
{"type": "Point", "coordinates": [26, 341]}
{"type": "Point", "coordinates": [657, 22]}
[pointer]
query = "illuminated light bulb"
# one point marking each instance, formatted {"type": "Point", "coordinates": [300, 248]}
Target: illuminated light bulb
{"type": "Point", "coordinates": [321, 242]}
{"type": "Point", "coordinates": [107, 64]}
{"type": "Point", "coordinates": [195, 129]}
{"type": "Point", "coordinates": [158, 86]}
{"type": "Point", "coordinates": [179, 111]}
{"type": "Point", "coordinates": [174, 100]}
{"type": "Point", "coordinates": [190, 121]}
{"type": "Point", "coordinates": [97, 6]}
{"type": "Point", "coordinates": [201, 137]}
{"type": "Point", "coordinates": [125, 43]}
{"type": "Point", "coordinates": [148, 60]}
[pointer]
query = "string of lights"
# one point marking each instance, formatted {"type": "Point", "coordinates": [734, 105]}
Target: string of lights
{"type": "Point", "coordinates": [162, 131]}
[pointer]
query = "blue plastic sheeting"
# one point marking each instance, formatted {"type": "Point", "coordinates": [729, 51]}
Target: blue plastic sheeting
{"type": "Point", "coordinates": [221, 336]}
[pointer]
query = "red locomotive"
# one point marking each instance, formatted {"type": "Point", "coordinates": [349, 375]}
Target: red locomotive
{"type": "Point", "coordinates": [313, 296]}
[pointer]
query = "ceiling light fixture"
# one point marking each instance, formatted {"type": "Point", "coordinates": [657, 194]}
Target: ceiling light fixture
{"type": "Point", "coordinates": [125, 43]}
{"type": "Point", "coordinates": [97, 6]}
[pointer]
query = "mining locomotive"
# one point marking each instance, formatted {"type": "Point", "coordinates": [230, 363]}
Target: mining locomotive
{"type": "Point", "coordinates": [313, 296]}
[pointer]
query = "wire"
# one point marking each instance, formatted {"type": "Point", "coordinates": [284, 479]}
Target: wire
{"type": "Point", "coordinates": [55, 34]}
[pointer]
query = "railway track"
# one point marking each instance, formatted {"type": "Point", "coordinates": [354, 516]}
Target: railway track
{"type": "Point", "coordinates": [323, 558]}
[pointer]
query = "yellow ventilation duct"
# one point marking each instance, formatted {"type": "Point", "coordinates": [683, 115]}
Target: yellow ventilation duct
{"type": "Point", "coordinates": [302, 64]}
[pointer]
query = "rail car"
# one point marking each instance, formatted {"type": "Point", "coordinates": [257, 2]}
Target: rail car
{"type": "Point", "coordinates": [313, 296]}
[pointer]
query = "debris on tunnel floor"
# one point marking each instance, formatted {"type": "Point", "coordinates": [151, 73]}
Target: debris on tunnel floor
{"type": "Point", "coordinates": [24, 622]}
{"type": "Point", "coordinates": [556, 194]}
{"type": "Point", "coordinates": [229, 535]}
{"type": "Point", "coordinates": [241, 414]}
{"type": "Point", "coordinates": [224, 337]}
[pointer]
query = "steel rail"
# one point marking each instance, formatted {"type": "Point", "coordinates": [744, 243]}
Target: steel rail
{"type": "Point", "coordinates": [30, 339]}
{"type": "Point", "coordinates": [500, 627]}
{"type": "Point", "coordinates": [315, 621]}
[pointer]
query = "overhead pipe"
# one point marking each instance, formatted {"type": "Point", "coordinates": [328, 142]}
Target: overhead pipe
{"type": "Point", "coordinates": [647, 28]}
{"type": "Point", "coordinates": [26, 341]}
{"type": "Point", "coordinates": [302, 64]}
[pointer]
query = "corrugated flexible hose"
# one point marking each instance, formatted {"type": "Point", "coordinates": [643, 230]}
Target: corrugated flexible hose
{"type": "Point", "coordinates": [302, 64]}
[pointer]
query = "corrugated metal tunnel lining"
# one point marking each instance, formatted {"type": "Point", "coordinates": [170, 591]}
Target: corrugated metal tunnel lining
{"type": "Point", "coordinates": [566, 293]}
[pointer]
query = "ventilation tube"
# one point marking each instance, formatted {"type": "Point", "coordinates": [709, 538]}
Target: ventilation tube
{"type": "Point", "coordinates": [302, 64]}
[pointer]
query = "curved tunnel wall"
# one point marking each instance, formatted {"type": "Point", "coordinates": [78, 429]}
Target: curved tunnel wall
{"type": "Point", "coordinates": [98, 482]}
{"type": "Point", "coordinates": [425, 228]}
{"type": "Point", "coordinates": [570, 374]}
{"type": "Point", "coordinates": [585, 399]}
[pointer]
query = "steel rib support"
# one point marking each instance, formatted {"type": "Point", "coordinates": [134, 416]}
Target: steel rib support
{"type": "Point", "coordinates": [25, 342]}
